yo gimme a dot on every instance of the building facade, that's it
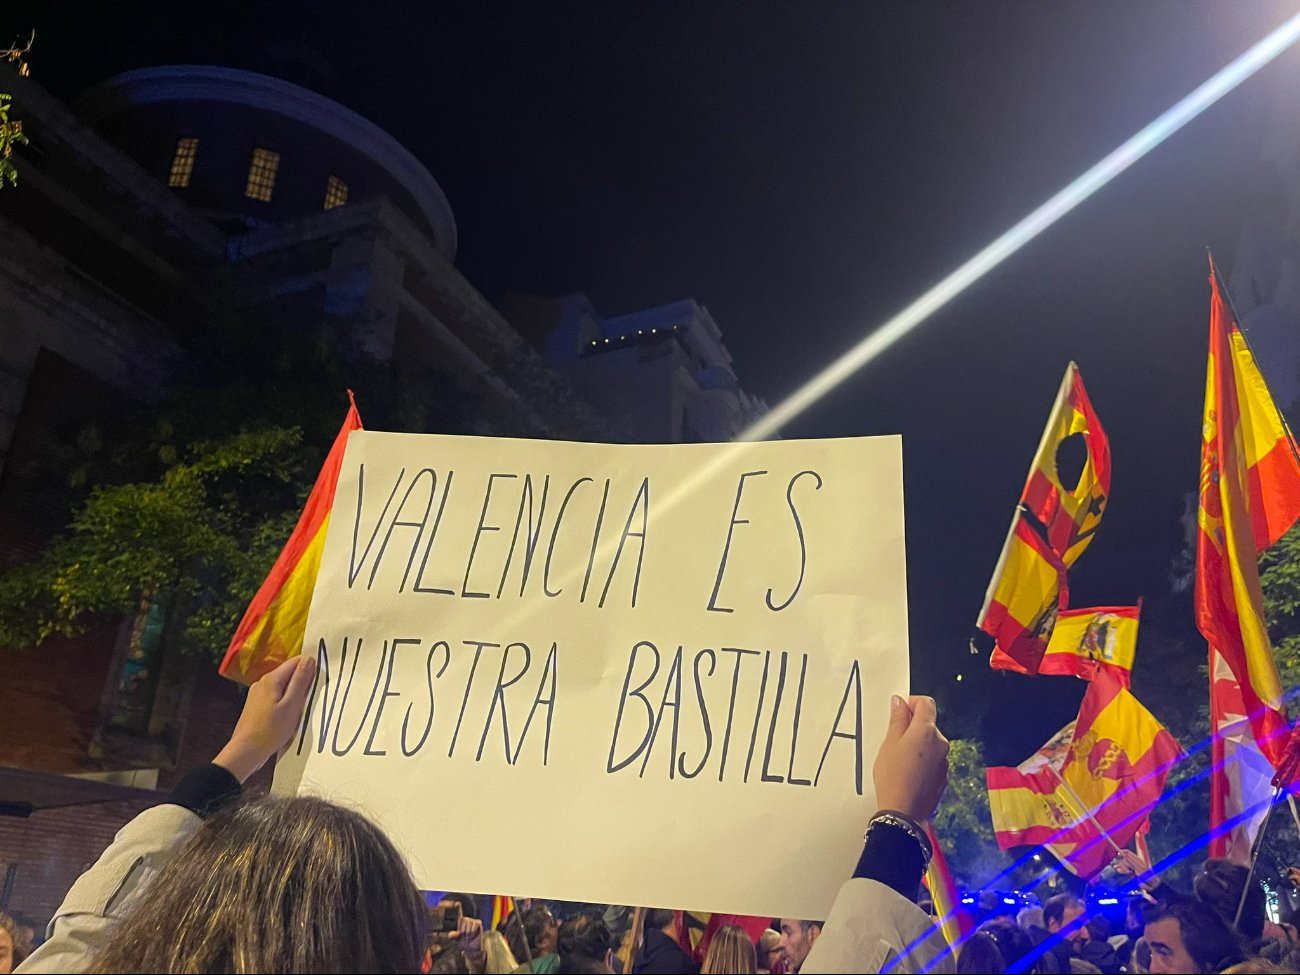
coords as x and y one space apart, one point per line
141 207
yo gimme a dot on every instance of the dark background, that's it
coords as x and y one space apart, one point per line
805 170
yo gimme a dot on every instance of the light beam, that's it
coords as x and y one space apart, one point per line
1065 200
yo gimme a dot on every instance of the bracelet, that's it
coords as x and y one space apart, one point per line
889 817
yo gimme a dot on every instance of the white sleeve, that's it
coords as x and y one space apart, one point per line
106 891
873 928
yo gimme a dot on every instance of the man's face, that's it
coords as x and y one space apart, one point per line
1168 953
1080 934
6 952
796 941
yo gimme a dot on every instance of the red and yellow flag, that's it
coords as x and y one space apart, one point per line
274 623
1053 524
1249 497
1085 640
502 908
1108 779
954 919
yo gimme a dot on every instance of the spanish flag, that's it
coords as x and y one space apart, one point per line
1098 792
1087 639
502 908
1249 497
1053 524
954 919
273 625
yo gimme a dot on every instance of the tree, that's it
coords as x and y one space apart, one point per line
204 532
11 132
962 822
1280 580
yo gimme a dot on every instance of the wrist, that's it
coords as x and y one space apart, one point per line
240 760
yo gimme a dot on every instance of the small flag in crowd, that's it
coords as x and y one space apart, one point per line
502 908
1053 524
273 625
1249 497
954 919
1087 639
1107 779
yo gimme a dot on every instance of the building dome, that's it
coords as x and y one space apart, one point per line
250 148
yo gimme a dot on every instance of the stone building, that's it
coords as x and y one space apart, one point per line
139 208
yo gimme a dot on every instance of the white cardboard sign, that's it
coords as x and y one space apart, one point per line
651 675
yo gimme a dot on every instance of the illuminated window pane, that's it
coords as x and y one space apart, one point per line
336 193
261 175
183 162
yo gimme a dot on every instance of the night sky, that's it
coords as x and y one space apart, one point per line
804 170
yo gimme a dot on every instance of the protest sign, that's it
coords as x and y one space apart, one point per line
652 675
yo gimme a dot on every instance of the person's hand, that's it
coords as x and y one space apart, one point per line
1126 861
271 715
911 767
469 935
1293 875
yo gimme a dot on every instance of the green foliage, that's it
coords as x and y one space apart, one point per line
963 823
11 134
190 532
1280 581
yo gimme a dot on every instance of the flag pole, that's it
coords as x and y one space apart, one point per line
629 951
1255 849
1227 297
1086 810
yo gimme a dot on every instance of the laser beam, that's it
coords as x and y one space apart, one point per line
1065 200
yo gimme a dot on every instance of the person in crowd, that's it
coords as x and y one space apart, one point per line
450 961
1186 936
797 939
1220 884
1258 966
204 884
768 952
27 929
1030 918
730 953
11 944
468 936
874 922
980 954
660 952
585 946
1062 915
498 959
1013 943
536 940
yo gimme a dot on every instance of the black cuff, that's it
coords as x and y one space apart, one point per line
205 789
894 858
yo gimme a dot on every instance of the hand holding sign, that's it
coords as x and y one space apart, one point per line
911 768
271 715
681 647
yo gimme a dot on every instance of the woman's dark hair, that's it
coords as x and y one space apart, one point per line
1012 941
1220 884
275 885
1207 937
981 954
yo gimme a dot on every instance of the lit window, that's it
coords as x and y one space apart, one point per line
183 162
261 175
336 193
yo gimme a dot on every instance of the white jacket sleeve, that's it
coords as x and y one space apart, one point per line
873 928
106 891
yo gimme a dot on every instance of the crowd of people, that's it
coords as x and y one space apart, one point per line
213 881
